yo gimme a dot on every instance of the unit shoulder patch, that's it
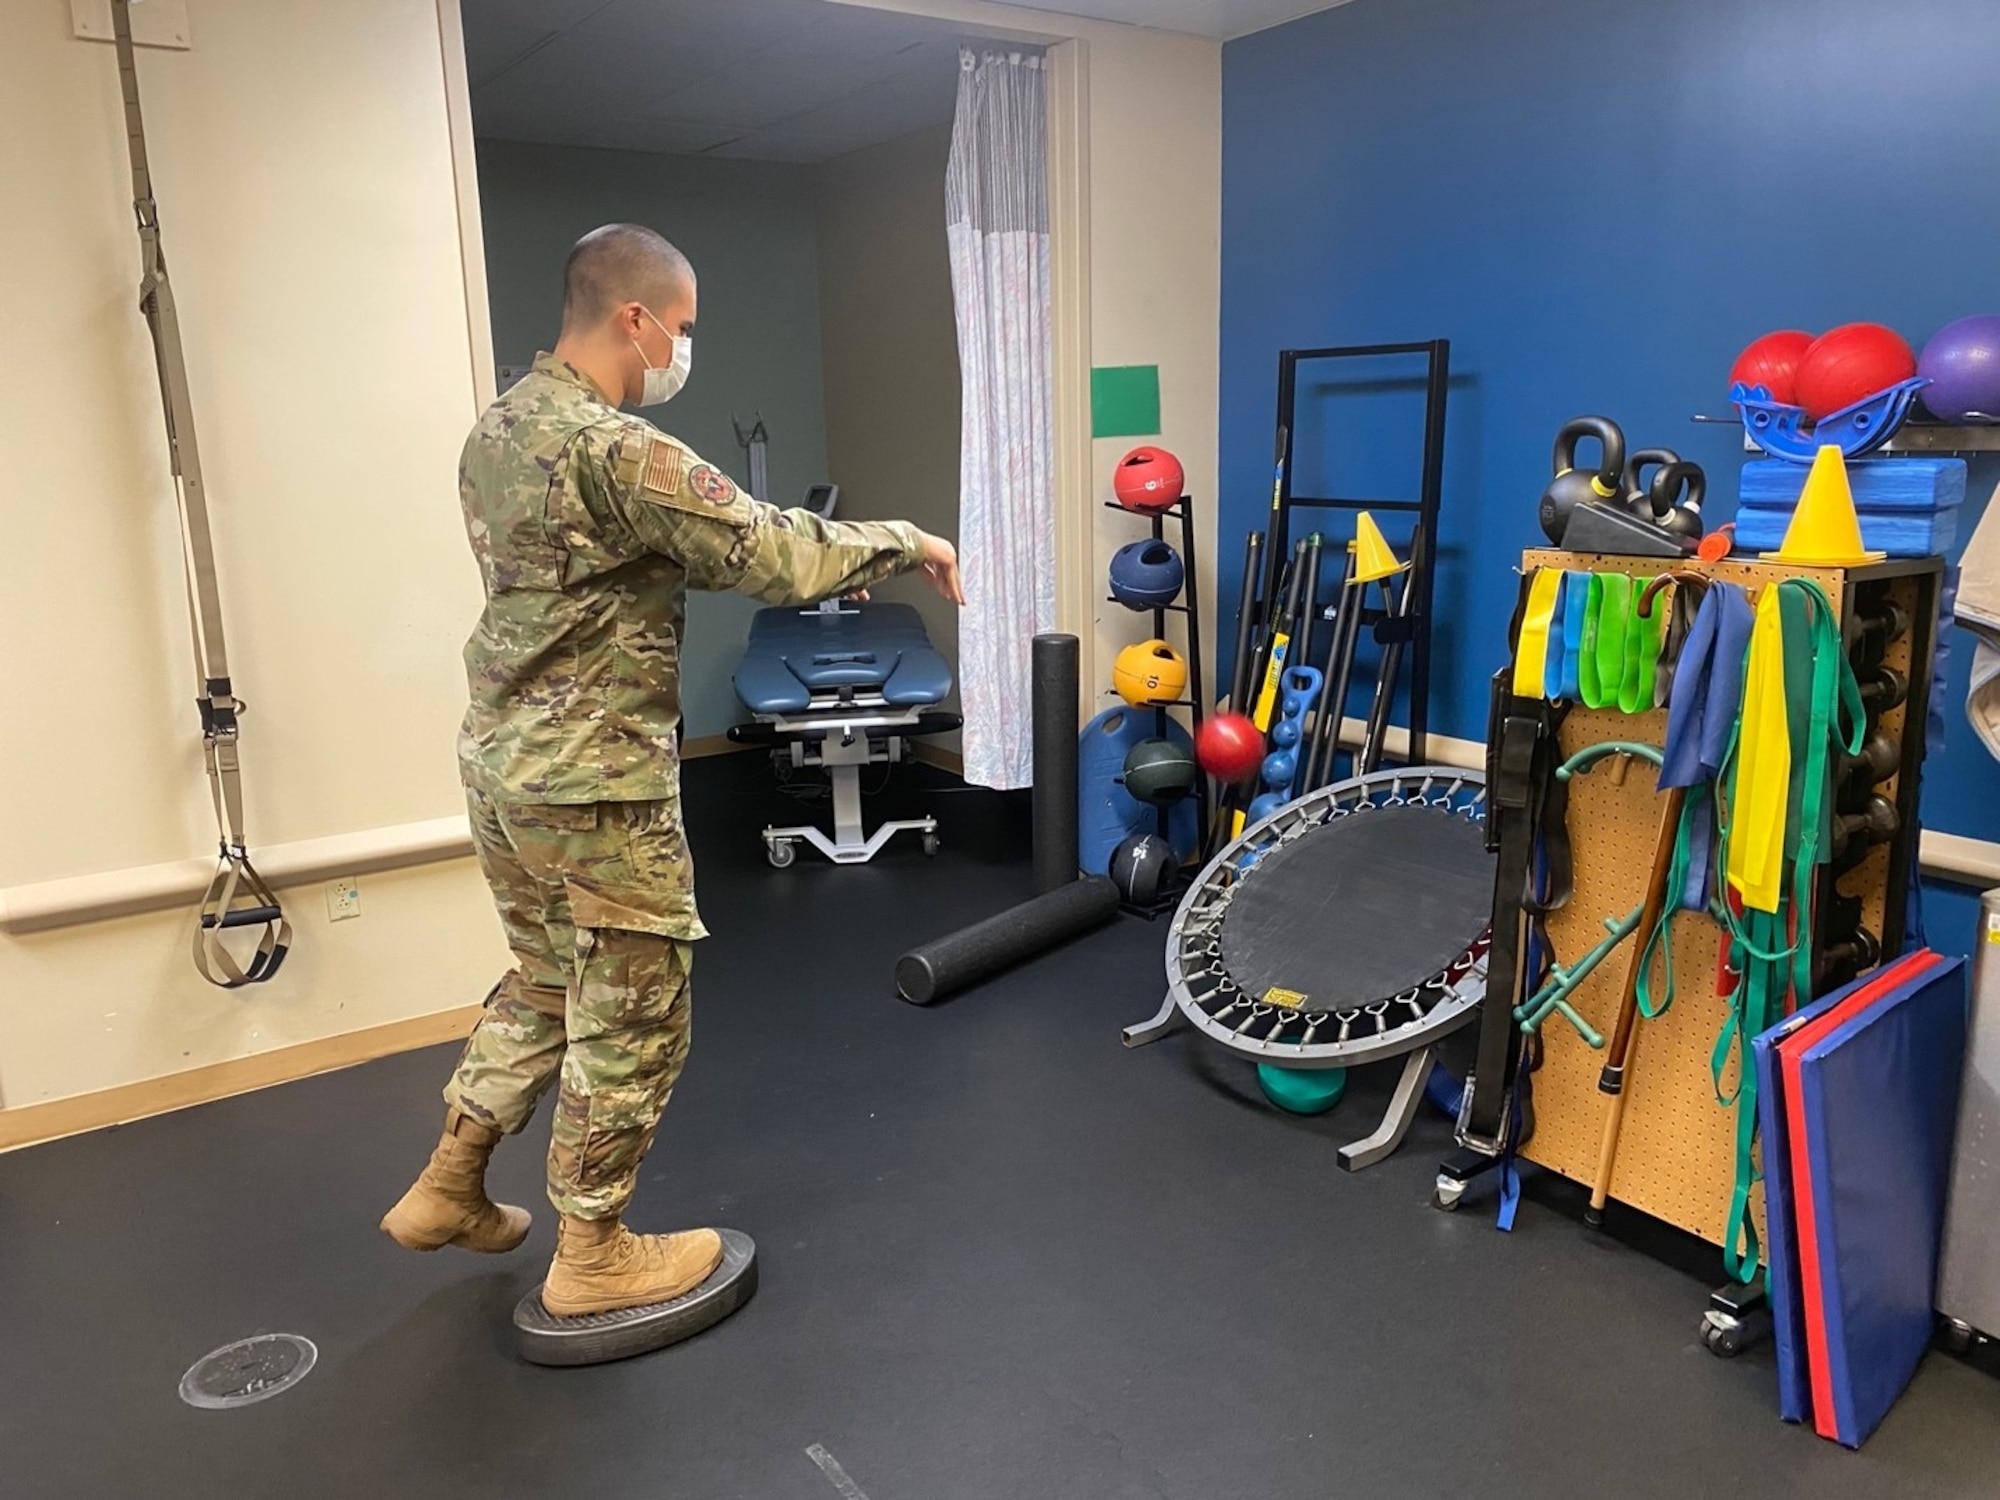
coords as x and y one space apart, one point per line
709 482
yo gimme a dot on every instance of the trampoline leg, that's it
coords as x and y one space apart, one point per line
1396 1119
1168 1019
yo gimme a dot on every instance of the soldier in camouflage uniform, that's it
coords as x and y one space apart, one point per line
590 526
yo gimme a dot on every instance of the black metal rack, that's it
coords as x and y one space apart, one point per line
1191 610
1414 628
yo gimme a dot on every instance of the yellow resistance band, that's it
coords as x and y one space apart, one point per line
1531 652
1763 766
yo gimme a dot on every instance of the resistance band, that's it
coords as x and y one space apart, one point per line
1604 665
237 896
1576 626
1642 652
1531 654
1796 641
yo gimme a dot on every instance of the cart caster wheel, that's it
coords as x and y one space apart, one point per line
1445 1195
930 844
1722 1342
780 854
1958 1336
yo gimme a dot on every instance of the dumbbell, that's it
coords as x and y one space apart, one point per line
1867 634
1874 824
1843 958
1877 762
1881 690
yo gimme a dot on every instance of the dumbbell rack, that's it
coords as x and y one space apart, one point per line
1190 612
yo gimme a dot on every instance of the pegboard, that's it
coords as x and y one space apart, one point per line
1677 1146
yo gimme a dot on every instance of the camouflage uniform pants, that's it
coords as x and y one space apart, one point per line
596 902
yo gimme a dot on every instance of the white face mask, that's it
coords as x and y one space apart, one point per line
664 382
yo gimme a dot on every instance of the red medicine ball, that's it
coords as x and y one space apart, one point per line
1773 362
1851 363
1148 479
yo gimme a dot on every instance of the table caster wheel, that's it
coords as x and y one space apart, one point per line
1445 1195
780 854
930 844
1958 1335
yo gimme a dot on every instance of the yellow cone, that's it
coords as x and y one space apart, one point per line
1825 532
1374 558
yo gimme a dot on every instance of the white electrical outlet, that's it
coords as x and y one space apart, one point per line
343 899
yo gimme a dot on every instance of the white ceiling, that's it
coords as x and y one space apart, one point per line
767 80
1217 18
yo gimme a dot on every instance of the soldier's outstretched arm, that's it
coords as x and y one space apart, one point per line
689 510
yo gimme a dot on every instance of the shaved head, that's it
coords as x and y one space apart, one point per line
620 264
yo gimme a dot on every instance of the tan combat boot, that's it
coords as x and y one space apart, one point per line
448 1205
601 1266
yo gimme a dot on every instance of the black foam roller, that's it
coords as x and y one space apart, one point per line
965 957
1053 674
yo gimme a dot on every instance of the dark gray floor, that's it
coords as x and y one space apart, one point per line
1001 1257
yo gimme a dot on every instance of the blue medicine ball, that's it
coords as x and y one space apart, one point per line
1145 575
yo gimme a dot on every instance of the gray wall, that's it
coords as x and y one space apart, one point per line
748 228
889 350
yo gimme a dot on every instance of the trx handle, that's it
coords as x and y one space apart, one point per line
237 897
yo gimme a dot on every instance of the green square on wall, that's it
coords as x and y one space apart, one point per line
1125 401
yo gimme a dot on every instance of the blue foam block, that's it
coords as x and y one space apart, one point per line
1898 533
1879 484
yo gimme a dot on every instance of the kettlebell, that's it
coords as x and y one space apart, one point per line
1571 488
1666 508
1632 484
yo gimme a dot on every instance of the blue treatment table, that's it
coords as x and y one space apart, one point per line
838 687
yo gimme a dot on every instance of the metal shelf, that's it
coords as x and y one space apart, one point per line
1911 437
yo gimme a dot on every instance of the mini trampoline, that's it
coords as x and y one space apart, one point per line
1348 927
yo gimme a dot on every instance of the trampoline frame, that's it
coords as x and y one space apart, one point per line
1201 994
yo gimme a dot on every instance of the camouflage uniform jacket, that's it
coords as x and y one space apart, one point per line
590 525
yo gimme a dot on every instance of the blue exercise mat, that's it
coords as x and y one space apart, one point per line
1781 1259
1870 1098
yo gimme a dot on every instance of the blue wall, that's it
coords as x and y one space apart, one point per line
1598 205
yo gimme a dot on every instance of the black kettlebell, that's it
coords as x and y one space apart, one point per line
1664 505
1571 488
1632 483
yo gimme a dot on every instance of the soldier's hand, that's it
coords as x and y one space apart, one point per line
941 568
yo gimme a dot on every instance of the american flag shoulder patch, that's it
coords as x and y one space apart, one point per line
663 468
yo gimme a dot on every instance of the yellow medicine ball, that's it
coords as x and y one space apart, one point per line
1150 672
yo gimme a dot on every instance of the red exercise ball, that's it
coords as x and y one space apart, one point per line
1148 479
1773 362
1851 363
1229 747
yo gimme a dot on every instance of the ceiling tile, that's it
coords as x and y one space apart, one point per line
666 137
494 46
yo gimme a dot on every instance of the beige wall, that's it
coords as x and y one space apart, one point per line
303 164
1153 128
889 351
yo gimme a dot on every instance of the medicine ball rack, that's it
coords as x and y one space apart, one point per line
1190 611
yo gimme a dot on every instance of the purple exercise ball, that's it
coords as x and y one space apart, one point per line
1962 363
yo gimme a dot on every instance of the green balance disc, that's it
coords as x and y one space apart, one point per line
1302 1091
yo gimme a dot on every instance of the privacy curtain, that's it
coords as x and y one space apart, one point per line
997 226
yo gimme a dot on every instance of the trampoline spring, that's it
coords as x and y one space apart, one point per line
1408 999
1347 1020
1379 1009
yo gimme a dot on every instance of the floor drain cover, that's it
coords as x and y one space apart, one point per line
249 1370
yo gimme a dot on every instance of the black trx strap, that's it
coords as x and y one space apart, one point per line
237 896
1527 808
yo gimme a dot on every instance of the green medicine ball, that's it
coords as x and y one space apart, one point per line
1159 771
